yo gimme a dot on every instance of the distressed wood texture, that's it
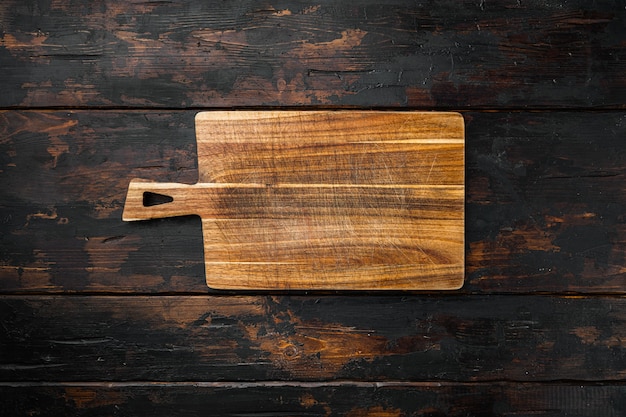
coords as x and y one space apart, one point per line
505 53
545 202
346 399
102 317
323 338
335 200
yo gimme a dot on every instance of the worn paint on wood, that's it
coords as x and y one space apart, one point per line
378 399
508 53
320 338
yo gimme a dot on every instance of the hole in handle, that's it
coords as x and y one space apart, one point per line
154 199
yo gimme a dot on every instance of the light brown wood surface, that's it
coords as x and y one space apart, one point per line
346 200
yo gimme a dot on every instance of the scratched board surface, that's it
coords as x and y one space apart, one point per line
324 199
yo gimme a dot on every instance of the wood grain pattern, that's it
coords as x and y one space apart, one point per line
182 54
350 398
324 200
488 338
331 147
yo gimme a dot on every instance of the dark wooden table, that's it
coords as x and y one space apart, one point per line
101 317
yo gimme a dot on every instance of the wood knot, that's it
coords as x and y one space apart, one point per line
281 85
290 351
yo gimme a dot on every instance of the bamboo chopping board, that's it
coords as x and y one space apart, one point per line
340 200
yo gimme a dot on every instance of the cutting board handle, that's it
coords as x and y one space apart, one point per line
147 200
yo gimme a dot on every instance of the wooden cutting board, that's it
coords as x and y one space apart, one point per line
337 200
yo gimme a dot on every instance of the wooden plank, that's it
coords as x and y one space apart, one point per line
254 338
545 202
544 212
288 199
507 53
352 399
